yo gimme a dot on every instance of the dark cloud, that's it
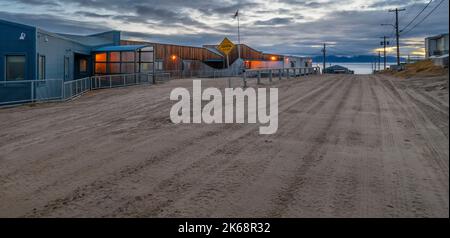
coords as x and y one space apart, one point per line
282 26
275 21
93 14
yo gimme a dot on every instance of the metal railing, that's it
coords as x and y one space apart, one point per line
75 88
29 91
179 74
25 91
277 72
120 80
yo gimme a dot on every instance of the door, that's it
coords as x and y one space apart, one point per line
82 67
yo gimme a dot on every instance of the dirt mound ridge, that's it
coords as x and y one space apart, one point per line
424 68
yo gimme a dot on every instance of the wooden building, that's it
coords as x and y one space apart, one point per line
169 57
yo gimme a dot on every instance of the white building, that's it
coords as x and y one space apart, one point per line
436 45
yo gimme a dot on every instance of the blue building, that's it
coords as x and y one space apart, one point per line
29 53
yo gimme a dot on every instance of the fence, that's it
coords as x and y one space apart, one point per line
279 73
178 74
16 92
26 91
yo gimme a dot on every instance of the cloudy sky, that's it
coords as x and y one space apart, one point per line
350 27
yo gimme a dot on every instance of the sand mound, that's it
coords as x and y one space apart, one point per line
424 68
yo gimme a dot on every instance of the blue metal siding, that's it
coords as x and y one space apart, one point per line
55 50
10 44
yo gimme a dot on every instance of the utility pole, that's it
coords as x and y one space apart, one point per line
379 60
239 37
397 32
324 50
236 15
384 43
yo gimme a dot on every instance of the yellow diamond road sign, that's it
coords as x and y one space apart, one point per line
226 46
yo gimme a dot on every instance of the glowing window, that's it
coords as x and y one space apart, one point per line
114 56
100 68
100 57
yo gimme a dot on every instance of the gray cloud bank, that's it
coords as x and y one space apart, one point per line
283 26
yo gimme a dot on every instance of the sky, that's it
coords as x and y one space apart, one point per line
296 27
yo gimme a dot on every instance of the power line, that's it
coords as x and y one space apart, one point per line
418 14
412 7
393 30
420 22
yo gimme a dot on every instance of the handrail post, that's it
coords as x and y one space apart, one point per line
259 77
110 82
288 74
280 74
32 91
62 90
270 75
244 77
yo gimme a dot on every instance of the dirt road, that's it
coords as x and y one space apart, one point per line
347 146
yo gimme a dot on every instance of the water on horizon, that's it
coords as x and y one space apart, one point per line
359 68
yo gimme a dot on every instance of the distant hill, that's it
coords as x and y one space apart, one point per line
354 59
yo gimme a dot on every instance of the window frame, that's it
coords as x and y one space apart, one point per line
86 66
66 69
123 63
6 65
44 69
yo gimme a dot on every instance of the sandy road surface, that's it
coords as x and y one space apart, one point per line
347 146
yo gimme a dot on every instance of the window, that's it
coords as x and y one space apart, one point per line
15 67
127 56
127 68
83 65
114 56
146 59
114 68
100 57
147 56
159 65
100 68
41 67
146 67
